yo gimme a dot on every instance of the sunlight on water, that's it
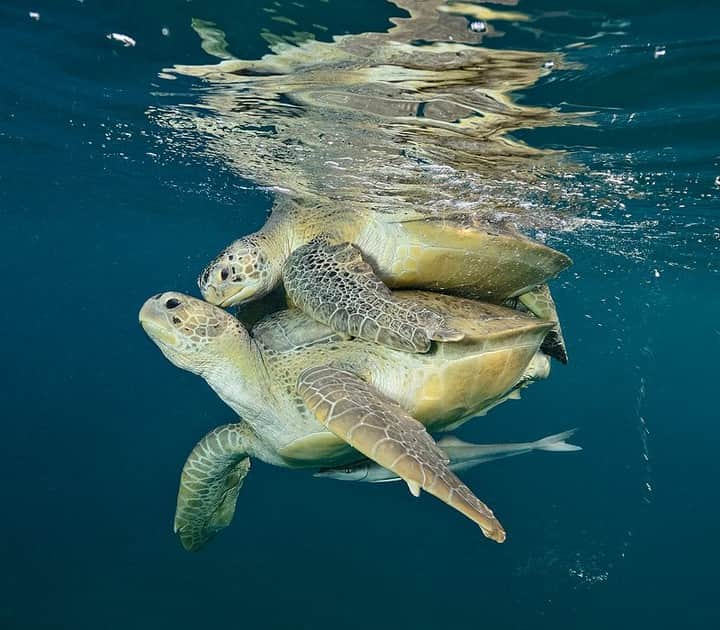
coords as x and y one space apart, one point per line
413 120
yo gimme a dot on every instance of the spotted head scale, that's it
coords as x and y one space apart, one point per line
242 272
191 333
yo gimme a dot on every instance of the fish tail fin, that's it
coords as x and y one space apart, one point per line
557 442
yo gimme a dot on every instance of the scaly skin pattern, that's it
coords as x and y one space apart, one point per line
250 267
334 285
209 485
488 262
449 385
380 429
258 378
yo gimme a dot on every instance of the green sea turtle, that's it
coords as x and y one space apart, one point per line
337 266
310 397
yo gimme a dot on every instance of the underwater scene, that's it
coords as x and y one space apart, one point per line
360 314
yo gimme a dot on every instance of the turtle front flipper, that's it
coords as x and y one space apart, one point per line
384 432
540 303
209 485
334 285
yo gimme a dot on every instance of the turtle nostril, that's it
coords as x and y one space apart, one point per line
224 273
172 303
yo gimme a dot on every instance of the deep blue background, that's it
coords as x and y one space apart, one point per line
96 424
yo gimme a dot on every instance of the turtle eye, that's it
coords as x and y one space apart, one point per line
172 303
224 273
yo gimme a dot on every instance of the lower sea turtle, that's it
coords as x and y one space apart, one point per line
337 266
311 398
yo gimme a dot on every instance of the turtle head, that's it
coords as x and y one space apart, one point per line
192 334
244 271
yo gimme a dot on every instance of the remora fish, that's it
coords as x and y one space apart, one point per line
462 455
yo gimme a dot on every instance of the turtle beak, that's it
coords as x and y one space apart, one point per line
153 319
245 294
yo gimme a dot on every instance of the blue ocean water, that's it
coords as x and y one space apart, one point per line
99 209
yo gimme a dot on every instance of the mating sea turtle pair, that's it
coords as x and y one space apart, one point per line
309 397
337 266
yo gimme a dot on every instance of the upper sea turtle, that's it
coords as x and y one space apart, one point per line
337 266
310 397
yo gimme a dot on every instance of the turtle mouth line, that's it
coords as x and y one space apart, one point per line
243 295
229 301
157 332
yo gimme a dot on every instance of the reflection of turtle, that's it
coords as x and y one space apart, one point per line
310 397
335 266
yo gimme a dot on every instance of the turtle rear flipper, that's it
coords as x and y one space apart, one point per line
334 285
384 432
210 482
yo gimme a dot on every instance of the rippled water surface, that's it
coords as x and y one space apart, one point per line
592 126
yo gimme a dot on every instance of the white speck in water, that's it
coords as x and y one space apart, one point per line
125 40
717 180
659 51
34 15
165 31
479 26
656 273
